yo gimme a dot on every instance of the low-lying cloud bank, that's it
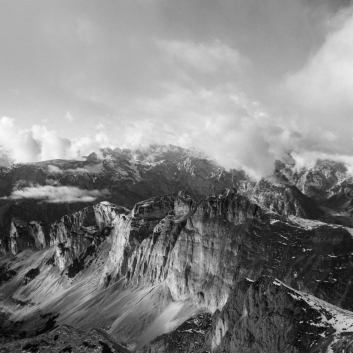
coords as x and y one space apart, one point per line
40 144
57 194
55 169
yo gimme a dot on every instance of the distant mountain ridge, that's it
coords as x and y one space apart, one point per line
129 176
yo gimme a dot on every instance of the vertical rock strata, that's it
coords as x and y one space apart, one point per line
173 239
72 235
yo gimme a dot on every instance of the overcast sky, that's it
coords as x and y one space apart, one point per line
245 81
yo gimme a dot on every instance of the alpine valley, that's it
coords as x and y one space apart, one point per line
163 250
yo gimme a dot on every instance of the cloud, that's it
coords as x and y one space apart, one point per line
69 117
221 122
55 169
316 101
324 85
196 105
207 58
100 126
38 143
166 78
309 159
59 194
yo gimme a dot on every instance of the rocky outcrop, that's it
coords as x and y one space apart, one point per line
25 224
66 339
263 316
187 338
131 233
30 275
267 316
73 235
318 182
283 198
76 233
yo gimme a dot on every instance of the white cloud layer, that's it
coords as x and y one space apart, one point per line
55 169
58 194
188 73
38 143
317 99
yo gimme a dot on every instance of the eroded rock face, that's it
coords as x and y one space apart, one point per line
187 338
173 239
263 316
267 316
73 235
202 250
319 182
281 197
132 232
30 275
66 339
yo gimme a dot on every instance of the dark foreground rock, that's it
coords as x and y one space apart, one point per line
66 339
188 337
268 316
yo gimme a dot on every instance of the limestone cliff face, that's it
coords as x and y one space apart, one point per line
173 239
135 233
72 235
25 224
75 233
202 250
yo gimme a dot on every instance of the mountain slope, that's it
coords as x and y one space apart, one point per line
141 274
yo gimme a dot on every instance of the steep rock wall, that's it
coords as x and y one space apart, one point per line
72 235
202 250
267 316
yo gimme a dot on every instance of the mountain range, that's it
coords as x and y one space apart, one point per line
163 250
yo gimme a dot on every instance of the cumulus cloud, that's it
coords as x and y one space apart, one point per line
221 122
38 143
308 159
58 194
317 100
311 117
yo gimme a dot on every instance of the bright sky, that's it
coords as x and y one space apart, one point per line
242 80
